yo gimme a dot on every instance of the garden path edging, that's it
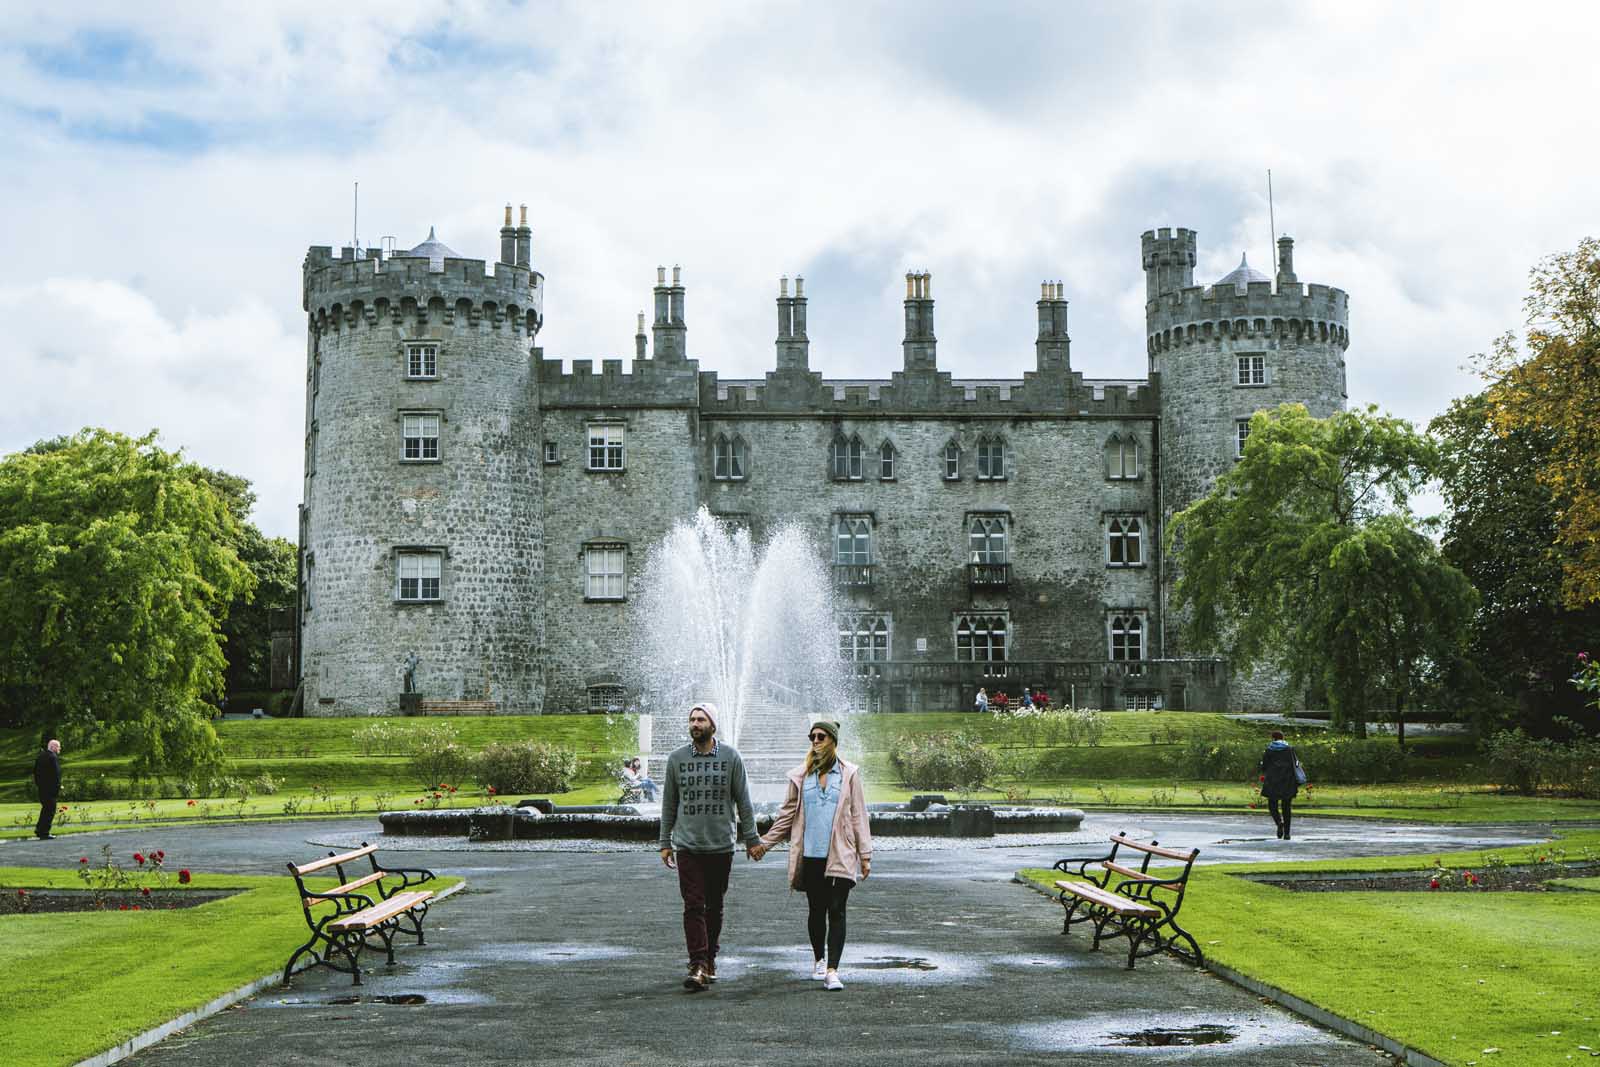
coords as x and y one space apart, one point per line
157 1034
1321 1016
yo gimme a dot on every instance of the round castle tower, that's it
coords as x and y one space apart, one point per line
1226 351
421 531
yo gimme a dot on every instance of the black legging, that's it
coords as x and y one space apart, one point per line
827 897
1288 812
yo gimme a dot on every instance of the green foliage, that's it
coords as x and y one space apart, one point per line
942 761
1340 759
436 756
1500 531
117 566
1305 557
1530 765
526 767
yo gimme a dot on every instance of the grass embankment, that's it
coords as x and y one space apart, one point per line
78 984
1451 973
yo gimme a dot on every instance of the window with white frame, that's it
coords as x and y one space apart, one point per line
1122 456
1241 431
606 699
991 458
845 458
1124 541
1127 636
419 437
952 461
605 572
422 360
1252 370
864 638
417 575
986 538
981 638
552 452
728 455
606 451
886 461
852 540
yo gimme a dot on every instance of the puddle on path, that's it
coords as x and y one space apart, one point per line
895 963
1200 1032
1188 1035
386 998
543 952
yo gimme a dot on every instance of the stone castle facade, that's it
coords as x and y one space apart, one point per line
480 506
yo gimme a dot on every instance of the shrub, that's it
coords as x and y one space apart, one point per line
526 767
1522 764
942 761
1343 760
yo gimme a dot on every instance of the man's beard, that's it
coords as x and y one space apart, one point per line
699 733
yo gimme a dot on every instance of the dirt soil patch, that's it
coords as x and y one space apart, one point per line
1527 879
43 901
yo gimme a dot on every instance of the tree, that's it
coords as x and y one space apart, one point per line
117 566
1305 557
1500 531
1554 391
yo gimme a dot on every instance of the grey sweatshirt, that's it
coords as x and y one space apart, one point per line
699 798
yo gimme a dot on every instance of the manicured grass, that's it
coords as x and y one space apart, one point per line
77 984
1449 973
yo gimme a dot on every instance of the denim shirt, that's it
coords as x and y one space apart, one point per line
820 807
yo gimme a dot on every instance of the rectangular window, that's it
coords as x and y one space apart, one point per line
605 448
886 462
1124 541
552 453
418 575
1122 457
420 434
1127 636
991 458
1252 370
607 699
986 538
606 567
852 539
422 361
981 638
864 638
1241 430
728 458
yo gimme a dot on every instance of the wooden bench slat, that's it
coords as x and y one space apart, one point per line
320 896
1157 850
1105 898
380 912
329 861
1128 872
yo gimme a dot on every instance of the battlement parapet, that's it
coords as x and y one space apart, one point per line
648 383
346 292
935 394
1200 313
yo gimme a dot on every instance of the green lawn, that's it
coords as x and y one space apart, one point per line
1449 973
78 984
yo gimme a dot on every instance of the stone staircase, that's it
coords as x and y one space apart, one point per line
772 740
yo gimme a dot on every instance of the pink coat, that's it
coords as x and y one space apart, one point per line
851 840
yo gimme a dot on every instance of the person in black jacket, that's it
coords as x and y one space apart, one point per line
1278 782
47 777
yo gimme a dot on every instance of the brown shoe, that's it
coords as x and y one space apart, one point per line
696 979
711 971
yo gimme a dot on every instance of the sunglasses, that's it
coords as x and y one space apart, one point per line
819 736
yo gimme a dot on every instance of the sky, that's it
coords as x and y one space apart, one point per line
167 165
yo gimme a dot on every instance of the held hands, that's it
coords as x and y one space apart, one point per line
669 859
755 851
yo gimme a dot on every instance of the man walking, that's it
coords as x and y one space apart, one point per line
704 789
47 778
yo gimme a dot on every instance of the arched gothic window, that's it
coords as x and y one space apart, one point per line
1127 637
991 457
886 461
1122 456
729 458
981 637
845 456
952 461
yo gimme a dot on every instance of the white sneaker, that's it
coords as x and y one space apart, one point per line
820 971
831 982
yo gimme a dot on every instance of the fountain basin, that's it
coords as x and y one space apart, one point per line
624 822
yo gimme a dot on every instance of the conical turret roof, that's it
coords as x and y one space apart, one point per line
1241 276
434 250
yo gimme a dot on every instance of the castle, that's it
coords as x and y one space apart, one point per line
474 504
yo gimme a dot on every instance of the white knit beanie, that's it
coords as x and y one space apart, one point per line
711 712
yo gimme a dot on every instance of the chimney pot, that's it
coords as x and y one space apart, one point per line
783 285
799 286
661 276
524 221
508 214
676 274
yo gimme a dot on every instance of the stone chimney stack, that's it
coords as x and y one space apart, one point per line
508 240
1286 263
639 341
920 346
524 238
794 350
1053 348
669 329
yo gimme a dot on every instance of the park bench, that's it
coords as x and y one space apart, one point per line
1121 900
457 707
367 906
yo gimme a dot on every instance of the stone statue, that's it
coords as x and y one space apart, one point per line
410 682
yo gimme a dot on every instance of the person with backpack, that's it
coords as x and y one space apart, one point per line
1280 781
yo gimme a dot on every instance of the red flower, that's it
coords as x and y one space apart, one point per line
144 891
452 789
191 803
122 907
1261 778
83 859
160 855
1433 883
139 857
136 907
1583 657
63 810
183 876
22 894
491 790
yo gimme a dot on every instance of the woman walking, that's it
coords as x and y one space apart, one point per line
1279 783
824 819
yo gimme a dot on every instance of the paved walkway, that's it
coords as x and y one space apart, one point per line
575 958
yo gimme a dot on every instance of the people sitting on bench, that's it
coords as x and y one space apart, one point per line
635 780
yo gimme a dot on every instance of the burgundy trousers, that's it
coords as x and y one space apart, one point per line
703 882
